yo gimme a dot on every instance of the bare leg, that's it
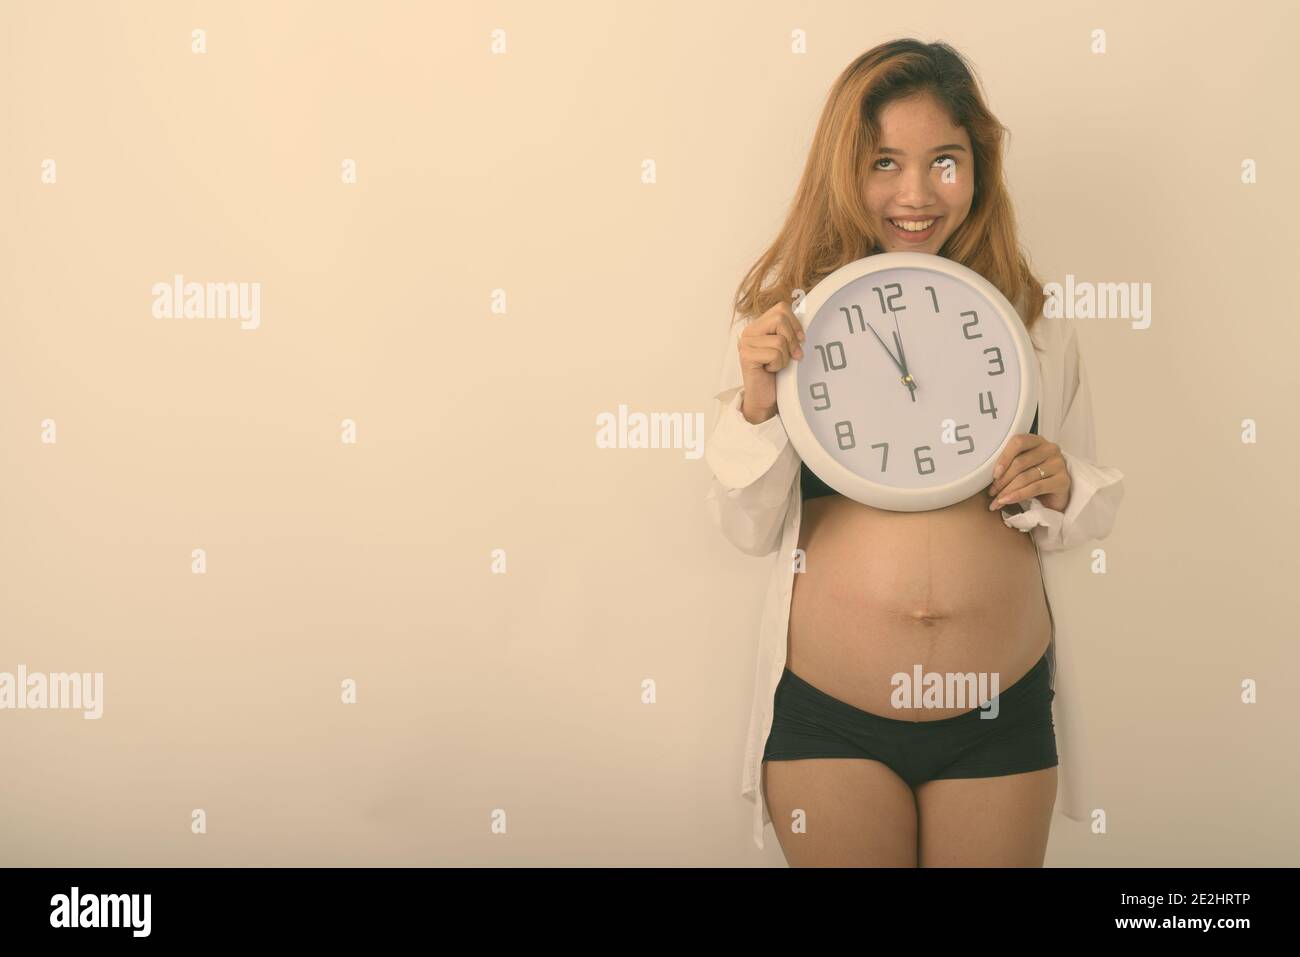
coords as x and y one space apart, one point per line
986 822
858 813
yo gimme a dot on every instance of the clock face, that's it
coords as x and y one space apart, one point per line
913 378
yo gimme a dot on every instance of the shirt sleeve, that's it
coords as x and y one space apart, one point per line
754 466
1095 490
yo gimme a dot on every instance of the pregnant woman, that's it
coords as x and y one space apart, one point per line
906 157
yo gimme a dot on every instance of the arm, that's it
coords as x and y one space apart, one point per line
754 466
1095 490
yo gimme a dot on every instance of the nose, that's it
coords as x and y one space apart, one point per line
915 189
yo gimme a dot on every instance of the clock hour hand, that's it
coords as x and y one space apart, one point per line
907 376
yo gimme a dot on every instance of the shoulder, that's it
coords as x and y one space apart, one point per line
1053 336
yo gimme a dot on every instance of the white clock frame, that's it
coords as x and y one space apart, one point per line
858 487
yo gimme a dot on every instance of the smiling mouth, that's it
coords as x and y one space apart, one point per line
916 225
913 230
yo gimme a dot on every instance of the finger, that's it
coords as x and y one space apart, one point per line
788 326
1029 450
772 321
1011 491
1029 485
1023 468
793 333
777 340
793 321
772 341
798 321
778 322
773 360
1024 493
781 360
771 352
1013 447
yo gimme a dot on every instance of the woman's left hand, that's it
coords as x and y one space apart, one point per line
1030 467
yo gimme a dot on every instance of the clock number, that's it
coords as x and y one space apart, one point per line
887 305
965 326
884 457
933 297
812 390
997 357
862 322
828 353
992 409
964 438
841 435
923 459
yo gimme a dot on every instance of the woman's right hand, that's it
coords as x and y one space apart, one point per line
766 347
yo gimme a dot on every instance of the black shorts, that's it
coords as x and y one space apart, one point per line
809 723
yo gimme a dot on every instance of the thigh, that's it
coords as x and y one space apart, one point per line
998 821
856 813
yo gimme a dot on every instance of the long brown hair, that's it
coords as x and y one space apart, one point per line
828 224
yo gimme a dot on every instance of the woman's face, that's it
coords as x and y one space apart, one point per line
923 172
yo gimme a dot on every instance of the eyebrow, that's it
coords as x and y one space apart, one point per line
946 146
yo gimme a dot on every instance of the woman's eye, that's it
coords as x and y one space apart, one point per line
945 156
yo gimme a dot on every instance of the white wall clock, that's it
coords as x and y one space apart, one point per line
916 372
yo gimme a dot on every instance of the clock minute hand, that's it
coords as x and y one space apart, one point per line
885 347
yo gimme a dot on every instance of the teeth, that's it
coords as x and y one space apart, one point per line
914 227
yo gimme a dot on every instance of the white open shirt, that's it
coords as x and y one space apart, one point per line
755 499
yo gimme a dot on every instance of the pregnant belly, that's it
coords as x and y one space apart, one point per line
882 593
